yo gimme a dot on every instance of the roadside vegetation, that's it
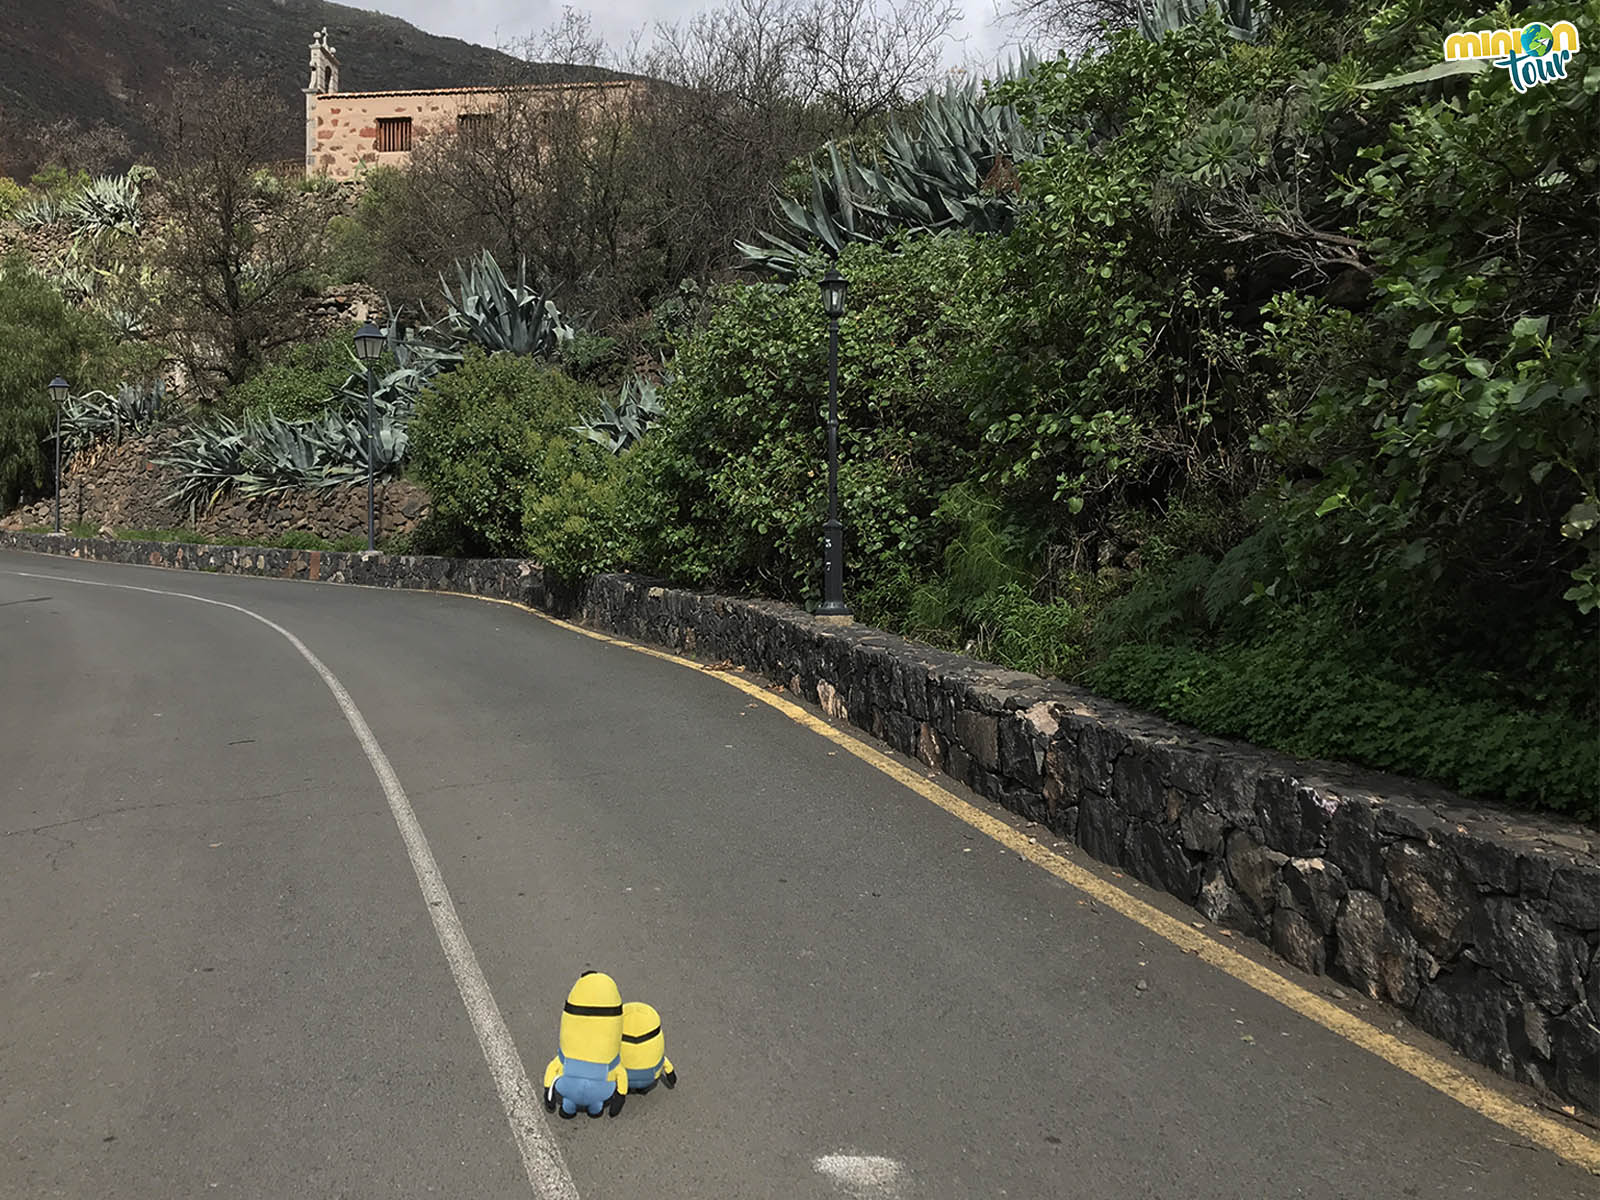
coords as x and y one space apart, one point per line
1238 365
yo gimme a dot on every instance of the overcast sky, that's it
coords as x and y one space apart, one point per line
499 22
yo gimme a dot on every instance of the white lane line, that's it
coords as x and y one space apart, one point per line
547 1172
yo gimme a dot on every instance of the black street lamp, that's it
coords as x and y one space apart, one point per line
833 606
60 389
370 341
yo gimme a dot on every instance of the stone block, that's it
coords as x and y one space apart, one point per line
1378 956
1574 898
979 735
1512 938
1233 792
1486 865
1292 817
1315 888
1253 870
1426 884
1575 1047
1353 844
930 748
1201 829
1473 1011
1299 941
1018 758
1219 903
1155 855
1099 746
1136 783
1102 828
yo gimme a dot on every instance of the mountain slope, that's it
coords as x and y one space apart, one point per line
108 60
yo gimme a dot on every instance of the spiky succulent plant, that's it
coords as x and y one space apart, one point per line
950 171
491 312
638 407
109 204
1157 18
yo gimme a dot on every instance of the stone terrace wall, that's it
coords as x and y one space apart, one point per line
123 487
1481 923
507 579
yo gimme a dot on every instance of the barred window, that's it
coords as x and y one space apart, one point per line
474 126
394 133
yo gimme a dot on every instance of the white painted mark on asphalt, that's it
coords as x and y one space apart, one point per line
862 1175
547 1172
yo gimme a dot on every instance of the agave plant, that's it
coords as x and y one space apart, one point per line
265 455
97 416
936 177
498 316
1157 18
109 204
638 408
39 212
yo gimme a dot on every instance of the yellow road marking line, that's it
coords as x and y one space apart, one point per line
1553 1135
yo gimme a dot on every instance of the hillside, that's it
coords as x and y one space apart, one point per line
108 60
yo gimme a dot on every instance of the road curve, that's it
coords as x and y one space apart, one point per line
222 978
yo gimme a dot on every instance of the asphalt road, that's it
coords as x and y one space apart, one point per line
220 976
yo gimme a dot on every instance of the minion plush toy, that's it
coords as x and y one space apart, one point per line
644 1051
587 1070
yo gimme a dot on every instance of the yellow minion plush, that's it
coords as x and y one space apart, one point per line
587 1070
644 1050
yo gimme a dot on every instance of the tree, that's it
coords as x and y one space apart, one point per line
615 195
240 246
1071 25
40 338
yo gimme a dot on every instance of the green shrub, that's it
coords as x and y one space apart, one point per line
1284 695
57 182
351 255
593 358
732 486
12 194
298 384
479 438
1017 631
40 338
573 517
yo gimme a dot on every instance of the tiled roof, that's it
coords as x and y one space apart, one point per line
458 91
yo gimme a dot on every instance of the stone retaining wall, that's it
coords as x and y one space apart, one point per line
1483 924
123 487
503 578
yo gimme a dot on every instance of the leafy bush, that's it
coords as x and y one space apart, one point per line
573 518
96 416
480 437
1283 695
731 489
592 357
12 195
40 338
299 383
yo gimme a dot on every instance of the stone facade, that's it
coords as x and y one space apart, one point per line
1482 924
343 134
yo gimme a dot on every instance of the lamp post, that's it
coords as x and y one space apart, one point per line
833 607
60 389
369 348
